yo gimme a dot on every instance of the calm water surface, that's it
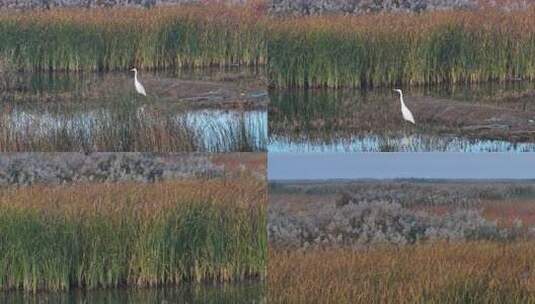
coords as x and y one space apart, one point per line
369 121
229 293
101 112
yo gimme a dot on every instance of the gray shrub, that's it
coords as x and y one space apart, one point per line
56 168
378 222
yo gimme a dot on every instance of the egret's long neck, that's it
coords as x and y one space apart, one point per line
135 75
401 98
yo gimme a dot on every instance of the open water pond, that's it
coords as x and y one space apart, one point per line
483 118
188 112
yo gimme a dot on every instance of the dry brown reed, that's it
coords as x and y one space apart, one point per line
479 272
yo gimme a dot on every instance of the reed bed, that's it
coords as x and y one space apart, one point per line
393 49
109 39
448 47
476 272
125 126
132 234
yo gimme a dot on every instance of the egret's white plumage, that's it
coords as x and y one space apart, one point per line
405 112
139 87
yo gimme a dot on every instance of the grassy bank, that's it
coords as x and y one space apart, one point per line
479 272
131 234
331 51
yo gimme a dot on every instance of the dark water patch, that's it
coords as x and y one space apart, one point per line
249 292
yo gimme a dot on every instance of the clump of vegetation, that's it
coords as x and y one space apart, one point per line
474 272
372 223
132 234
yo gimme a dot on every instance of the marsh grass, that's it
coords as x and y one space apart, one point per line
102 39
393 49
131 234
315 51
473 272
125 125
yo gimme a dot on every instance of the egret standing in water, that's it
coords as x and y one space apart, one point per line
407 115
139 87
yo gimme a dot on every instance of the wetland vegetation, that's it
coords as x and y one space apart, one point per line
473 272
401 241
130 221
455 47
99 112
488 117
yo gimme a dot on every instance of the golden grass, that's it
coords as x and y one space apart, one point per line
148 199
478 272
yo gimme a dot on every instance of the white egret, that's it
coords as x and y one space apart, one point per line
139 87
407 115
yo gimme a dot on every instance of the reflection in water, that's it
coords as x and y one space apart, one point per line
215 125
228 293
100 112
210 129
364 121
412 143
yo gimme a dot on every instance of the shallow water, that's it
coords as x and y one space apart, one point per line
100 112
211 130
385 143
228 293
369 121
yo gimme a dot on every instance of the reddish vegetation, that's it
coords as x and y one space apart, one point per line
507 212
237 162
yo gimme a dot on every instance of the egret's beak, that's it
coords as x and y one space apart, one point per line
132 70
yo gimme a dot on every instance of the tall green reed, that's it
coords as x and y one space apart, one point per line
326 51
395 49
186 36
125 241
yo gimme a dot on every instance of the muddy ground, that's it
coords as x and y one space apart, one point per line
475 120
223 90
509 117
